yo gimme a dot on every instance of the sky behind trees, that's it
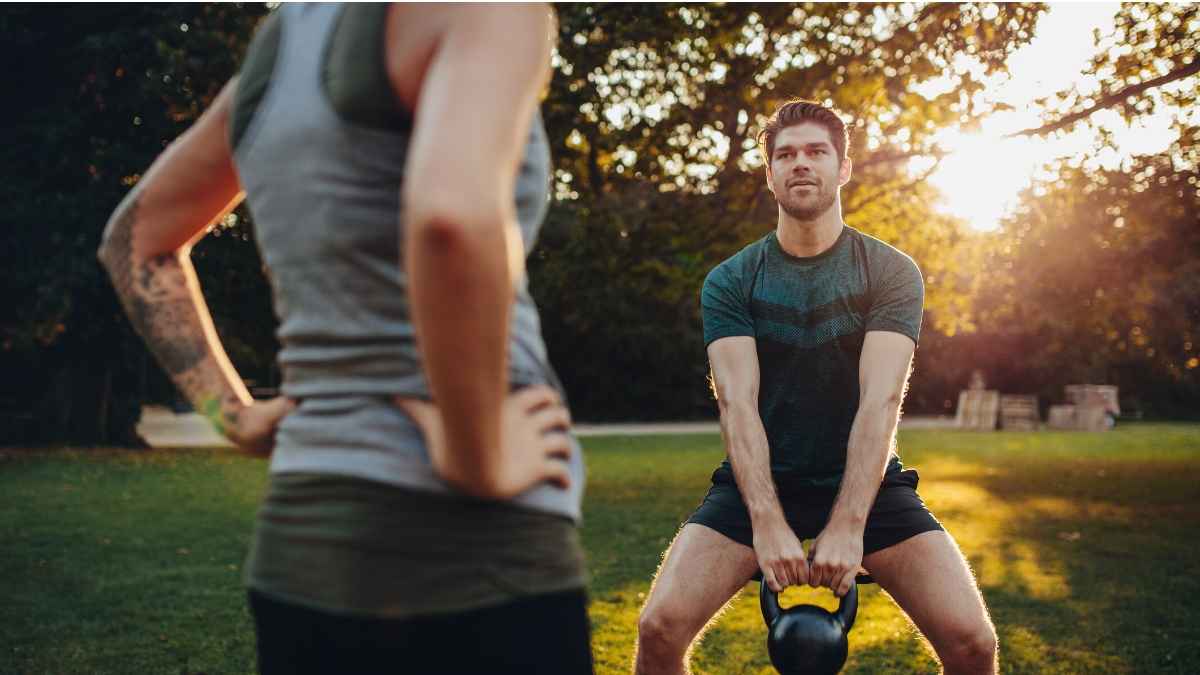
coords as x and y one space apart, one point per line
1058 58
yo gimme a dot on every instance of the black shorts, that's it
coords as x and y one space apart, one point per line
897 514
545 634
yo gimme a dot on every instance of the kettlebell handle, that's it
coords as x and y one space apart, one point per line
768 602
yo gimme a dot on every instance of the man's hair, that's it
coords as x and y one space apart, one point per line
799 111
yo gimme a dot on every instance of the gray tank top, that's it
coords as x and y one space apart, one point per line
325 196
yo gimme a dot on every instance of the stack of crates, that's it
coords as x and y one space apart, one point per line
1092 407
1019 413
977 409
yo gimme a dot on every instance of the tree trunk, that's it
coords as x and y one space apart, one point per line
80 406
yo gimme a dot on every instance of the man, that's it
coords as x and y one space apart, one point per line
810 333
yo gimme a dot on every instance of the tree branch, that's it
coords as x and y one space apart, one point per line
887 158
1111 100
860 203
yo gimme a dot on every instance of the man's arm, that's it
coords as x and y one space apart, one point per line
146 247
463 250
736 378
883 375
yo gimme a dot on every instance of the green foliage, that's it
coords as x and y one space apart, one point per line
103 88
653 111
1103 268
1093 277
1092 280
1146 65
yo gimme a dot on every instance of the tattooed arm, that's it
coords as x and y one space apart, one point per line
146 250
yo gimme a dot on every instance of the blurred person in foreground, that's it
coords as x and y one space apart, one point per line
810 334
424 492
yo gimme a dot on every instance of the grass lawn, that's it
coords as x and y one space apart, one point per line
1087 547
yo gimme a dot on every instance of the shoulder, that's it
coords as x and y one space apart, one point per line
884 258
740 265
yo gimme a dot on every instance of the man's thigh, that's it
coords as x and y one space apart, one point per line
703 569
929 578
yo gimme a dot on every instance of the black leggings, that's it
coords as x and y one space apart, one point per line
540 634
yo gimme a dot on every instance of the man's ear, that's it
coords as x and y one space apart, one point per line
845 171
770 179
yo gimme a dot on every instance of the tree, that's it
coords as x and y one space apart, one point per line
109 87
1123 306
1153 50
652 112
1092 279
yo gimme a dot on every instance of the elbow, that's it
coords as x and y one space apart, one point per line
459 245
103 255
464 247
732 402
442 221
105 252
891 402
443 232
887 404
108 257
733 397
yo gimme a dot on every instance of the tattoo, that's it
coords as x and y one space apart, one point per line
211 409
160 305
164 314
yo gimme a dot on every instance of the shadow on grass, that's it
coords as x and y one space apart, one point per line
1085 547
1091 567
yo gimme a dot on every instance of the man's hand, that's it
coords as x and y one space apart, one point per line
780 556
252 428
534 448
836 556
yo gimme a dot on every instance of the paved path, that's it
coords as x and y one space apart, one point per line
163 428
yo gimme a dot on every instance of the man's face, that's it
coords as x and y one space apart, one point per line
804 173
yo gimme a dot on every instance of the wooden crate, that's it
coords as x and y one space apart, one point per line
1062 417
1103 395
977 409
1095 405
1019 413
1093 418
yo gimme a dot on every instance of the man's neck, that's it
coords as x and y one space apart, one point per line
807 238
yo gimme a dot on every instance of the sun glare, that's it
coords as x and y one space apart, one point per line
983 176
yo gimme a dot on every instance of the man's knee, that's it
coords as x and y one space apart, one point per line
971 650
663 631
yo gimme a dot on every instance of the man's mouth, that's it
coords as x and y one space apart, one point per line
803 182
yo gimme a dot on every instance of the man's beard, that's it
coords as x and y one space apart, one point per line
807 208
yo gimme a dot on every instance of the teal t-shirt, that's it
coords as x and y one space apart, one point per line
808 317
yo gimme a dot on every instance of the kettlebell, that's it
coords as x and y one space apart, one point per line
807 639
